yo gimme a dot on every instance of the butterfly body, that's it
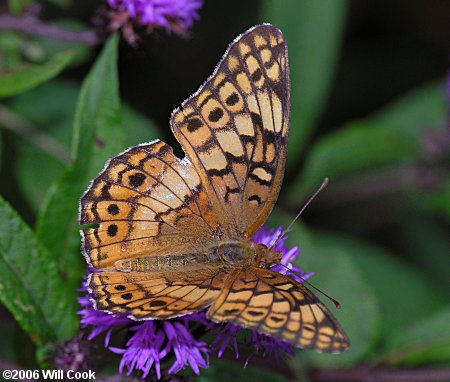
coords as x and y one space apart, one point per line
173 235
224 255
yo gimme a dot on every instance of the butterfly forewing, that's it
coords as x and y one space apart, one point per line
235 129
146 202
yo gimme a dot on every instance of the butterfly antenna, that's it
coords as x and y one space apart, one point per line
311 198
334 301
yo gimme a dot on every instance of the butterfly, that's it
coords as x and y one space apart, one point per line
173 236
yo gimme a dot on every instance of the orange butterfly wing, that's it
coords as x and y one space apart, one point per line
235 130
147 202
275 304
161 296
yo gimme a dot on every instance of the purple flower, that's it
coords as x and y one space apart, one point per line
171 15
152 341
73 354
269 238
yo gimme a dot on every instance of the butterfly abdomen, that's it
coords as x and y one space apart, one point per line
228 253
165 263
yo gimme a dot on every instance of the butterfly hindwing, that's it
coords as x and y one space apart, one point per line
162 296
275 304
235 130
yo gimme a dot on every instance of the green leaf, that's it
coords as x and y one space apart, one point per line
98 133
404 294
98 128
336 273
313 31
389 141
437 200
416 111
427 244
10 49
423 342
357 149
50 108
30 285
415 115
16 7
1 149
27 76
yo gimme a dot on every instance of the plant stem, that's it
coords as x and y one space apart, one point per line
31 25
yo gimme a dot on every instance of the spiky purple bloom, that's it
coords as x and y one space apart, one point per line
73 354
172 15
152 341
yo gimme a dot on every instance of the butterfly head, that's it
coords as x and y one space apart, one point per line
265 257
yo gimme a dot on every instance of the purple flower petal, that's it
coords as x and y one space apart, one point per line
177 15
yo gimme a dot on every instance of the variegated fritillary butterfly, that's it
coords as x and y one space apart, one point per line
173 235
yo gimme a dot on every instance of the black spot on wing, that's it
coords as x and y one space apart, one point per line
256 119
113 209
194 124
230 311
232 99
255 313
136 180
276 319
157 303
216 114
256 75
112 230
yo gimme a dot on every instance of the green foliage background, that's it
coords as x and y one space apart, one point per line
58 131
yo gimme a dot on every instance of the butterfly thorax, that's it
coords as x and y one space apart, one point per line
225 254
